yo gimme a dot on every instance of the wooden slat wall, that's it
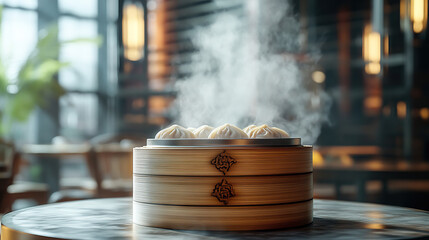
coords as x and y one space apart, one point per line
176 22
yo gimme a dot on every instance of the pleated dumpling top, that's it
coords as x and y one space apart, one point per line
174 131
249 128
203 131
264 131
227 131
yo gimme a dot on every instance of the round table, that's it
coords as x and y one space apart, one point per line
111 219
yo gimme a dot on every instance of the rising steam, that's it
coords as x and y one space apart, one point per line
245 72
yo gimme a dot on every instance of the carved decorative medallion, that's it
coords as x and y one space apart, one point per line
223 162
223 191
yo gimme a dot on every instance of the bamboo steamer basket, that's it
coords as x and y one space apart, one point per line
223 184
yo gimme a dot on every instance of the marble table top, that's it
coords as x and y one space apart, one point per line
112 219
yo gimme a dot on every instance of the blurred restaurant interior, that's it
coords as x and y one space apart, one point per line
82 82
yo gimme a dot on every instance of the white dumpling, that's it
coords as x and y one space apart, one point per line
174 131
264 131
203 131
282 132
191 129
227 131
248 128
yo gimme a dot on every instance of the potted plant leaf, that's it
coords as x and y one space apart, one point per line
36 82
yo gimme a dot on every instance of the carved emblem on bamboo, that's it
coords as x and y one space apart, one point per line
223 162
223 191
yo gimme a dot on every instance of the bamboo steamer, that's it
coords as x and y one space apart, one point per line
232 218
214 184
252 190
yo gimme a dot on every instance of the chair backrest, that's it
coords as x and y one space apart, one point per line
7 169
122 139
114 155
7 155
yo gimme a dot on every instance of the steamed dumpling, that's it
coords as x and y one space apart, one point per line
227 131
264 131
191 129
174 131
203 131
248 128
282 132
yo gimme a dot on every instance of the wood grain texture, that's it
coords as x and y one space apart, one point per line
196 161
255 190
223 218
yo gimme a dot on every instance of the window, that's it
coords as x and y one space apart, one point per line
88 80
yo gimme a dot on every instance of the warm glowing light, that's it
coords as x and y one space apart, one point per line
372 68
419 14
402 8
401 109
317 158
374 46
371 50
386 45
318 76
373 102
133 35
375 165
376 226
346 160
424 113
158 104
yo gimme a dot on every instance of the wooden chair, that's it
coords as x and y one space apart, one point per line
10 191
110 163
114 163
6 161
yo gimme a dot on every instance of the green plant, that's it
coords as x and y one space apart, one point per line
36 83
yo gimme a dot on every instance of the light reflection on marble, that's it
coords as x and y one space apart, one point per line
112 219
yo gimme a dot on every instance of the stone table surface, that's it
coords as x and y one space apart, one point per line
112 219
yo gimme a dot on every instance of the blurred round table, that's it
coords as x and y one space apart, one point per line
112 219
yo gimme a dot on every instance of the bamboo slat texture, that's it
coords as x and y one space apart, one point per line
196 161
253 190
231 218
223 187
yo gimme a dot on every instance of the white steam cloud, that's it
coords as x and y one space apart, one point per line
246 72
